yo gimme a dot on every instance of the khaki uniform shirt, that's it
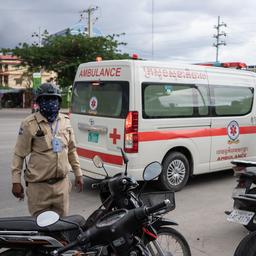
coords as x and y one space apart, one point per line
43 163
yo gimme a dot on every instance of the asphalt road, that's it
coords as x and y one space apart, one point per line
199 209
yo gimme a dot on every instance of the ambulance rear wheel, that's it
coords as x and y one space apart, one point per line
175 172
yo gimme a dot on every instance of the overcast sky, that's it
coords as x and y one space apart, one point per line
182 29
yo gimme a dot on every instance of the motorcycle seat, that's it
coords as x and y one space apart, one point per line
246 198
244 163
28 223
250 173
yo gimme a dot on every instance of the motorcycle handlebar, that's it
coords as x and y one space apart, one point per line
138 215
101 184
95 185
157 207
117 182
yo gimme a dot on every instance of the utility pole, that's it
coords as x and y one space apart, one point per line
217 36
40 37
89 13
152 30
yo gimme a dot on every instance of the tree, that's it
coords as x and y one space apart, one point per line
63 54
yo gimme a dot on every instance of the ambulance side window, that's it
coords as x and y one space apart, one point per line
174 100
231 101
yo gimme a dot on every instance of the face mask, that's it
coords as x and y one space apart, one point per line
49 108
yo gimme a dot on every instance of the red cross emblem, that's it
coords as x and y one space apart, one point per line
114 136
93 103
233 130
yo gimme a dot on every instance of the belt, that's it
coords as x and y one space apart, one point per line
49 181
52 181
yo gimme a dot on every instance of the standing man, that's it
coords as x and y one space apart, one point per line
47 145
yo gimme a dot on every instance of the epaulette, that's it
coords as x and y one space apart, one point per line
30 118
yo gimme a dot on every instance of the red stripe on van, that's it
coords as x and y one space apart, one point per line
247 129
107 158
165 135
170 135
197 133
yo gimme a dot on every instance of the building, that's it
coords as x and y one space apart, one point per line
13 75
78 29
11 72
15 81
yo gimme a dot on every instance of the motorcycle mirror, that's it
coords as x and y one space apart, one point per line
97 161
152 171
47 218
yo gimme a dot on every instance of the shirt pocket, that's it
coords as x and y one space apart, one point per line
64 135
41 143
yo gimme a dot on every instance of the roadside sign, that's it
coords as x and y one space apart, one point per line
36 80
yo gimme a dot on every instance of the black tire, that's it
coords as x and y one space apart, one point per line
25 252
177 244
17 252
175 173
247 246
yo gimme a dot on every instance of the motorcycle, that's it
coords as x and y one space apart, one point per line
26 236
244 195
118 192
116 229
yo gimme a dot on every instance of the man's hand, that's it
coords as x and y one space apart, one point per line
18 191
79 183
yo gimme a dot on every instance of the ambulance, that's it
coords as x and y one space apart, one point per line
193 119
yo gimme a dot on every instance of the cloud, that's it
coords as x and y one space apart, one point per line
162 29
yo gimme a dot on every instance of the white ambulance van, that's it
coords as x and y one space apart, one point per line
193 119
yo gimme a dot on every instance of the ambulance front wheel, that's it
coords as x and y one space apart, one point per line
175 172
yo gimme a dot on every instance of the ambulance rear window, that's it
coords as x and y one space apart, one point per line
99 98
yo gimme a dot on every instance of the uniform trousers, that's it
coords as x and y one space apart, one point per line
42 196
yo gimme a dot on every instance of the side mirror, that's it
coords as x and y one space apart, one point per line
152 171
97 161
47 218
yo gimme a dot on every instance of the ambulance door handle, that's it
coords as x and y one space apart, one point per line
95 128
253 119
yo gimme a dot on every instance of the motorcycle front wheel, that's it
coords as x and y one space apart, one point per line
169 242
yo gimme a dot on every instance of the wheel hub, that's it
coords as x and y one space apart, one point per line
176 172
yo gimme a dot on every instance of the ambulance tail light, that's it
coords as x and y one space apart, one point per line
131 133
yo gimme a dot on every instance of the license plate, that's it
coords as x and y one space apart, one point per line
238 191
240 216
93 137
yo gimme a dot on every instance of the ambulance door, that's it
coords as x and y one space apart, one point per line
231 128
177 115
98 117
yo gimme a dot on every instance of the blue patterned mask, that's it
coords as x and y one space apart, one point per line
49 107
